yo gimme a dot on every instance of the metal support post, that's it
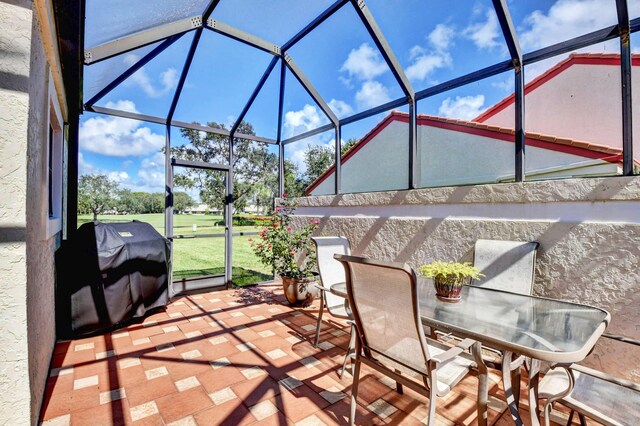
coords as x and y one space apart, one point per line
519 125
283 74
228 271
413 145
625 74
338 158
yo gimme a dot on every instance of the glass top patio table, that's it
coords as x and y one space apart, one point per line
544 329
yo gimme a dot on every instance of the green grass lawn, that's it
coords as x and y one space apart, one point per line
194 257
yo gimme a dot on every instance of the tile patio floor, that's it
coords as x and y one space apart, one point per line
233 357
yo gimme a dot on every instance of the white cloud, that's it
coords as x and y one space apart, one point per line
340 108
167 80
463 108
151 173
119 137
364 63
372 94
441 37
118 176
564 20
484 35
308 118
84 167
425 61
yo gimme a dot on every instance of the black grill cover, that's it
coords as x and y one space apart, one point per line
109 273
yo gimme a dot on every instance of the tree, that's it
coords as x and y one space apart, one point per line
294 183
317 159
96 193
347 145
128 202
252 163
182 201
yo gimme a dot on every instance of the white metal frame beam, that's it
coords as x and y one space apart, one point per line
139 39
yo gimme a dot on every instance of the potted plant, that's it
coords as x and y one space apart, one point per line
289 252
449 277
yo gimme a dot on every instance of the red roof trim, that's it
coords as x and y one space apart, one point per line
573 59
508 136
568 146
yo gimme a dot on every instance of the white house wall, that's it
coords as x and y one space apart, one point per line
27 320
583 102
15 37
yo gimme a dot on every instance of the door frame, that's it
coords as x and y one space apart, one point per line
228 220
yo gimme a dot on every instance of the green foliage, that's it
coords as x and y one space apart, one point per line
253 166
443 269
96 194
182 201
287 251
348 145
294 183
243 221
317 159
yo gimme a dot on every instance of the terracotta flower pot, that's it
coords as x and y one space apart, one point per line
448 287
299 291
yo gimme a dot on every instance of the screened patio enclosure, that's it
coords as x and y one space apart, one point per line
224 63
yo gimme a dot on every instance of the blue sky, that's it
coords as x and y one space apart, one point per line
434 41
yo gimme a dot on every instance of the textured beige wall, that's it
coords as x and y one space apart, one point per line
40 248
15 56
588 261
27 329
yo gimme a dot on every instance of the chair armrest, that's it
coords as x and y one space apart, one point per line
320 287
622 339
606 377
453 352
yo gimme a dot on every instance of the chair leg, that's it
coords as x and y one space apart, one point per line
399 387
350 350
570 417
354 392
315 344
516 377
583 419
433 397
483 384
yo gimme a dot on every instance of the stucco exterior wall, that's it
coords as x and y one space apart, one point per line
15 45
40 246
449 157
583 102
588 230
27 328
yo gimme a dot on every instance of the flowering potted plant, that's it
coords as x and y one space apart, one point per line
449 277
289 252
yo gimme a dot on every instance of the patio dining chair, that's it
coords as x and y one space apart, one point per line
384 300
506 266
607 399
331 272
